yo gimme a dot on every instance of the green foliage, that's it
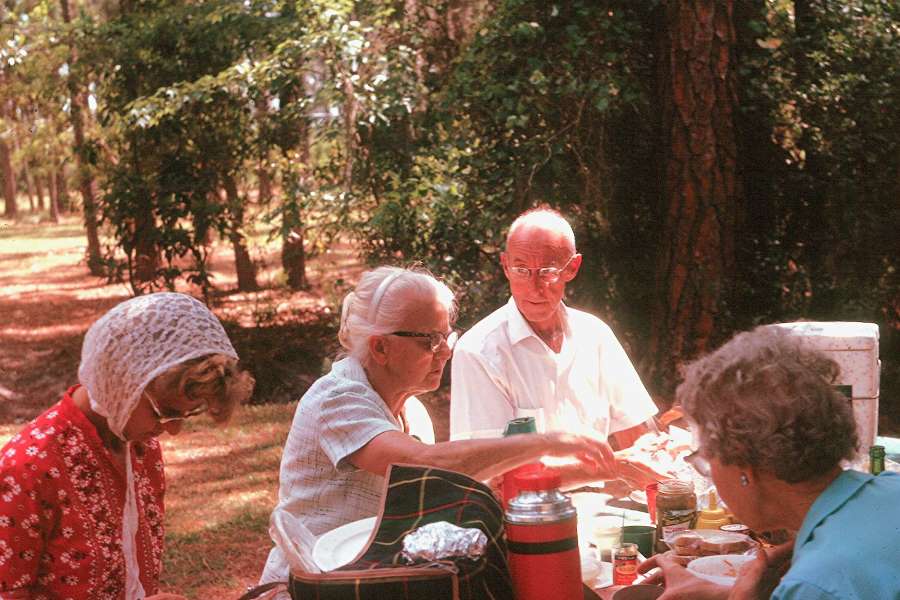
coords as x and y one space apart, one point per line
529 114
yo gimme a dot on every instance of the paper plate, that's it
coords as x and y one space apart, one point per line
339 546
720 568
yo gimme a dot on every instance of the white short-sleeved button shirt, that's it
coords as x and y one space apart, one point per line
338 415
502 370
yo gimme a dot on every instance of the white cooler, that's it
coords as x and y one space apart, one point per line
854 347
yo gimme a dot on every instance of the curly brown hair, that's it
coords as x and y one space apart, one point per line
764 400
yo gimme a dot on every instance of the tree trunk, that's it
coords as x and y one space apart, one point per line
701 190
54 197
7 173
246 270
293 255
264 193
85 179
62 190
38 194
9 181
29 184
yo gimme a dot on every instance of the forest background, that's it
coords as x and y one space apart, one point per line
724 163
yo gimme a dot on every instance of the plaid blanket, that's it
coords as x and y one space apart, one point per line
417 496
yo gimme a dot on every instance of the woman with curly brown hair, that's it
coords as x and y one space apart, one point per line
772 433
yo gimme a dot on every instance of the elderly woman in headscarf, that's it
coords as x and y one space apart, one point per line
81 486
772 433
350 426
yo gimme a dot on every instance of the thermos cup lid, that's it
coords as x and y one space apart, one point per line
539 480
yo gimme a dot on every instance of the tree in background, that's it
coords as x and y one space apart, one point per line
701 191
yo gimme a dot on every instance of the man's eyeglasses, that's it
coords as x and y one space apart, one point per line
700 464
173 415
546 274
435 338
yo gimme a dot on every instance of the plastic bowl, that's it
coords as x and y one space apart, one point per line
720 568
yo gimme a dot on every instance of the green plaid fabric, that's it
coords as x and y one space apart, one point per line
418 496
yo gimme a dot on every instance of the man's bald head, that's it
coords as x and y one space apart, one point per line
542 223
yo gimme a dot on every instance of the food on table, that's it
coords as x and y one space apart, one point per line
709 542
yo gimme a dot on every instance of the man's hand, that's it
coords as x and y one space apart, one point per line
636 474
680 583
759 578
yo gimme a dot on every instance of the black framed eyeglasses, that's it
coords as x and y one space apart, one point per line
173 415
546 274
435 338
700 464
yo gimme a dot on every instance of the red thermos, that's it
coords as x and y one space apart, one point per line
542 534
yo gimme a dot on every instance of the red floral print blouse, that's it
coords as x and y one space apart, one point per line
61 502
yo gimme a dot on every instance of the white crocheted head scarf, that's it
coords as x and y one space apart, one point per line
125 350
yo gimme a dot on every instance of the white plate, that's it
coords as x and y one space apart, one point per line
720 568
339 546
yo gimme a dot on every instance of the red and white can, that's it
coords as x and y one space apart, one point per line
542 534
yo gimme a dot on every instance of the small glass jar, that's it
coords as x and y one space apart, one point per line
625 563
676 509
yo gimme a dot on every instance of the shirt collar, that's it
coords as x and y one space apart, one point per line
519 329
845 486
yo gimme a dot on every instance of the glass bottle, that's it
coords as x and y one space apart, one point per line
876 459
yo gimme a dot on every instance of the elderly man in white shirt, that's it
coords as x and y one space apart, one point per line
535 356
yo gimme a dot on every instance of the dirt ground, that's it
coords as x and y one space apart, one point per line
48 300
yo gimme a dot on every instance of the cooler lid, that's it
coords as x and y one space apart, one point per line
836 335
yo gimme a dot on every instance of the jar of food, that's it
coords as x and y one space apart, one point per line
676 509
625 563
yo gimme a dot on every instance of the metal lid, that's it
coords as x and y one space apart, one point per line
539 506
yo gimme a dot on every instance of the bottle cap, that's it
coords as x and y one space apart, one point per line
539 480
520 425
876 451
714 516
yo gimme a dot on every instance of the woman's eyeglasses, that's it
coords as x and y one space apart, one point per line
546 274
173 415
700 464
435 338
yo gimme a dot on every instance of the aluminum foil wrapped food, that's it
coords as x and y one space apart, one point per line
443 540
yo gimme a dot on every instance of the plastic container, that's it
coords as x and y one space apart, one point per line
713 516
542 535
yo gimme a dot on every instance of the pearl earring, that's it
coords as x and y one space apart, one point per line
744 481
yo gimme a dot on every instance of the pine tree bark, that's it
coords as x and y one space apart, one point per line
85 180
54 197
29 185
9 180
246 270
62 190
38 195
293 254
7 172
701 188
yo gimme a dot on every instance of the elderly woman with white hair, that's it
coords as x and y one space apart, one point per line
772 433
349 426
81 486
